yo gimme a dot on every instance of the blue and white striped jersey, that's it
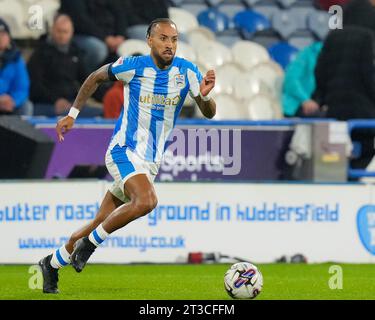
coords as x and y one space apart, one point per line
153 99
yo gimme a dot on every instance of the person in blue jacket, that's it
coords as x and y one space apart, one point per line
299 84
14 79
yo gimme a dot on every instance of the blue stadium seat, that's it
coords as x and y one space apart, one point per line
317 22
282 53
249 21
214 20
284 23
228 37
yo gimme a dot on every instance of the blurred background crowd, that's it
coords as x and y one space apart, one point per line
273 58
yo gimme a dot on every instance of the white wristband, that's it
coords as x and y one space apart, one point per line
205 98
73 112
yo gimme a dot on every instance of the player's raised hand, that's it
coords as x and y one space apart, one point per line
208 82
63 126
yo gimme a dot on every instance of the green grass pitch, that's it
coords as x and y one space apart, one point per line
190 282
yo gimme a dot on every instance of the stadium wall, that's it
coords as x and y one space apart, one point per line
258 222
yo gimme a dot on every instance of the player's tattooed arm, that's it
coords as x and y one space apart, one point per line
90 85
65 124
208 108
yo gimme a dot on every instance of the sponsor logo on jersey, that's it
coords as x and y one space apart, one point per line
159 100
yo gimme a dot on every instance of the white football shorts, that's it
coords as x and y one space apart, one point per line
122 164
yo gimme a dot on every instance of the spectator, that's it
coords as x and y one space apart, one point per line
14 79
299 84
100 27
57 71
141 13
345 74
345 81
360 13
113 101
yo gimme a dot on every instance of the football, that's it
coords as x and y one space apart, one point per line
243 280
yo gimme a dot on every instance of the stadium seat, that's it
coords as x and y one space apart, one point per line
16 22
263 107
268 10
228 108
214 20
266 38
202 68
137 31
184 50
231 8
225 78
247 54
251 3
185 20
299 14
286 3
282 53
176 3
213 54
133 46
317 22
228 37
50 8
270 74
213 3
301 39
198 35
284 24
249 21
246 85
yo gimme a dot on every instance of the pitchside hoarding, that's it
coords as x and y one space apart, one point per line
257 222
195 153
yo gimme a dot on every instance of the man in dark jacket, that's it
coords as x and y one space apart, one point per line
14 79
345 74
100 27
57 71
345 77
360 13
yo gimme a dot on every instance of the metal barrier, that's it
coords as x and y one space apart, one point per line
352 124
360 124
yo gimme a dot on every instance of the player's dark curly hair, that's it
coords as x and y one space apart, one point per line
153 23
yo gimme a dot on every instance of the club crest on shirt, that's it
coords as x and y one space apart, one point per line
179 81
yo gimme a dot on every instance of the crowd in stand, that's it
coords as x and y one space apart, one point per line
75 45
334 78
